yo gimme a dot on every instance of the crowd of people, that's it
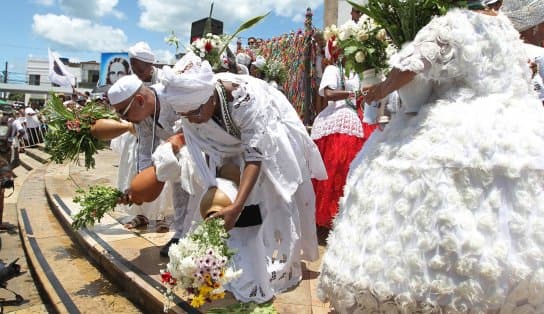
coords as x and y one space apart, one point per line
440 210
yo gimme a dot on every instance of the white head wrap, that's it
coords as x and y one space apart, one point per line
142 52
242 69
189 84
524 14
489 2
243 58
259 63
124 88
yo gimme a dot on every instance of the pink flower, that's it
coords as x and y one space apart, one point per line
73 125
208 46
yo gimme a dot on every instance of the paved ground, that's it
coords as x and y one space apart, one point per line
301 299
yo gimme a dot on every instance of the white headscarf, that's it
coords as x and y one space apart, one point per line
524 14
243 58
189 84
142 52
259 63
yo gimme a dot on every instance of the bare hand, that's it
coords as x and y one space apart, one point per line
177 141
230 214
126 198
371 93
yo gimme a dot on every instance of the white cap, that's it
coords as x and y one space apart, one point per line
259 63
124 88
142 52
243 58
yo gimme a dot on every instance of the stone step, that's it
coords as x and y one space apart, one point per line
29 163
37 154
131 259
70 282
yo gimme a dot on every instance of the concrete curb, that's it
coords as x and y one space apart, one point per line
141 288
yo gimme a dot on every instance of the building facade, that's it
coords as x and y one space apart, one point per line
37 72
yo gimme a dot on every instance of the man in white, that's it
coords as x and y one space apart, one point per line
154 123
33 126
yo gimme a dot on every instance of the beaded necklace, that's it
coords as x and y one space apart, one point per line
231 128
348 101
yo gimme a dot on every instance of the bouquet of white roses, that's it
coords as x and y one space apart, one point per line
402 19
361 45
200 264
208 48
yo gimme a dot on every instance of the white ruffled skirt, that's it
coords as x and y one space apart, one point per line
444 210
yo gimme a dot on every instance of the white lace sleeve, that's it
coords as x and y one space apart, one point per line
439 48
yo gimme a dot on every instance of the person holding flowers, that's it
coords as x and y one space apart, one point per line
338 130
242 120
447 200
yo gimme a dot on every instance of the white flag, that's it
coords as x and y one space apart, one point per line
59 73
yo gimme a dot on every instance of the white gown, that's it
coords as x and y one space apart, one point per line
269 254
445 209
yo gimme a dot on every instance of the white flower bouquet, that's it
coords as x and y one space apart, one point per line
200 264
362 45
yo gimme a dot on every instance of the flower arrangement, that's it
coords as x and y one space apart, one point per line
275 71
402 19
70 130
362 45
211 47
208 48
199 264
95 204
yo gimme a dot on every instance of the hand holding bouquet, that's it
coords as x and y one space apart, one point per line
70 130
200 264
95 203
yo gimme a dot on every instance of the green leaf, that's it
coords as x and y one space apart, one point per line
350 50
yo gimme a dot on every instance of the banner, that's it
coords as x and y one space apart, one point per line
113 65
58 72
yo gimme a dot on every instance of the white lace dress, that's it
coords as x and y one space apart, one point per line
444 211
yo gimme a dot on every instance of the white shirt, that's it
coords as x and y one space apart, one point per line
31 118
538 85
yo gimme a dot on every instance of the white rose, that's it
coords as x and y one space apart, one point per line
490 270
470 290
342 35
465 266
362 35
360 57
438 262
381 35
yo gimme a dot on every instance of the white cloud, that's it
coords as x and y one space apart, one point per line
46 3
90 8
165 56
165 15
78 34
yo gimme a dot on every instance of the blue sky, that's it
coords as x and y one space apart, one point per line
82 29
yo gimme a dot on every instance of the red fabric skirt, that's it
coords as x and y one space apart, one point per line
337 151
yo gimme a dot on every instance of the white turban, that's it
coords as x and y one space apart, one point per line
259 63
243 58
142 52
124 88
189 84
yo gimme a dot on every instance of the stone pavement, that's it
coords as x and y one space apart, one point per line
133 256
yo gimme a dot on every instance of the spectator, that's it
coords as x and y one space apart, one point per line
34 134
6 181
